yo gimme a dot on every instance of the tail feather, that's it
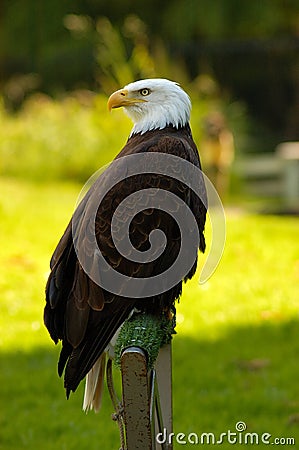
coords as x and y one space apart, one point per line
94 385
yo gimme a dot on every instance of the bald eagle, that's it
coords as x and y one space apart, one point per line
79 311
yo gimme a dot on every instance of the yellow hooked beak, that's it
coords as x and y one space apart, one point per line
121 98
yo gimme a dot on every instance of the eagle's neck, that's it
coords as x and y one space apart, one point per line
142 128
158 116
169 130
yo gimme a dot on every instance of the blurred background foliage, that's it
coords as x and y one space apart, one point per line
237 58
251 48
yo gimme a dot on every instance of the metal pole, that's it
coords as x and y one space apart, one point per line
136 399
147 399
163 368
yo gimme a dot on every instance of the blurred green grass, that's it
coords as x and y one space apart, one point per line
234 357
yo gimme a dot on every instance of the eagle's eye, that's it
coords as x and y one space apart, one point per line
144 92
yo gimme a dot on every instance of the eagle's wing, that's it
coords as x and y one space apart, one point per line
78 311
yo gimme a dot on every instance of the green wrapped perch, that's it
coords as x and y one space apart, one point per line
147 332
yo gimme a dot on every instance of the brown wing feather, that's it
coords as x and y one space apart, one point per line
80 313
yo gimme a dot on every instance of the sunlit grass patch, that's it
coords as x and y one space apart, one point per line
234 357
32 218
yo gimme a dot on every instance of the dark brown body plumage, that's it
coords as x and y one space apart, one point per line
78 311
